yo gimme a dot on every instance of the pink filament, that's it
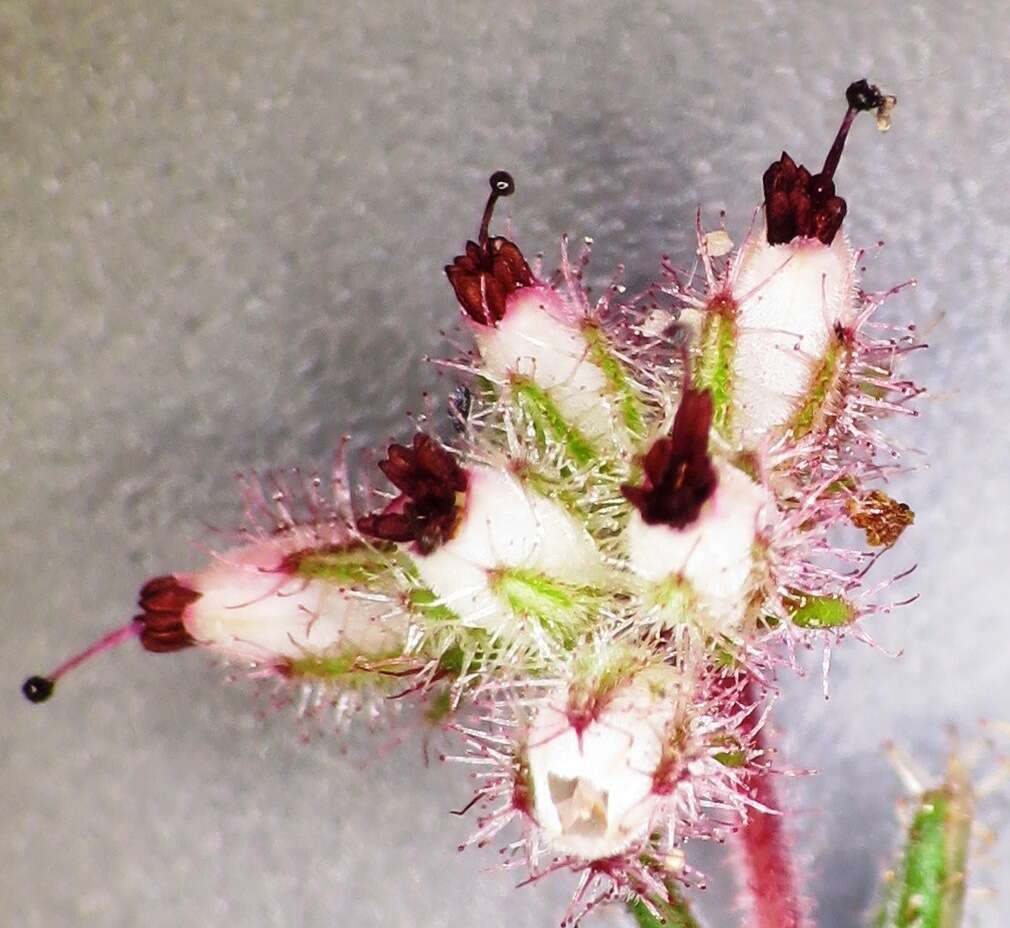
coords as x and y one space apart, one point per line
111 640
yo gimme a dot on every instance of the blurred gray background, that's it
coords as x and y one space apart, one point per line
224 224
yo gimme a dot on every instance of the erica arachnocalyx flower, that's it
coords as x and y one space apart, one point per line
696 523
595 583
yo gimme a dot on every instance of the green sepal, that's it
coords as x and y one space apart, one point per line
441 705
466 653
824 382
426 604
353 565
549 423
674 599
734 755
619 383
345 669
563 610
713 369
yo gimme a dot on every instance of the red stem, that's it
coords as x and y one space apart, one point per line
764 855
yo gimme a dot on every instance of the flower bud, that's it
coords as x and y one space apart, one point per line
555 362
778 331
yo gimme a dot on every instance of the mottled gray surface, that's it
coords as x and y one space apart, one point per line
223 230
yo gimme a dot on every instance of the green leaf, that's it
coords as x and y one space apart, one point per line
926 889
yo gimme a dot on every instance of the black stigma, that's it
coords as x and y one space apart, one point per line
502 184
863 96
37 689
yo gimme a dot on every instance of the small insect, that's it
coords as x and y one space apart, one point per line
460 401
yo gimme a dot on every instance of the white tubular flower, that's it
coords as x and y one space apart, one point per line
775 341
552 360
506 534
264 603
713 556
795 296
592 770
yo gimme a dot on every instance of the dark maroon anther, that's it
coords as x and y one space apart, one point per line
492 267
429 505
163 601
800 204
679 475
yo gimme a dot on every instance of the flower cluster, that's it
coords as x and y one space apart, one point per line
593 583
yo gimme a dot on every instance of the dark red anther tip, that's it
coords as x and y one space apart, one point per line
679 474
166 594
163 600
428 509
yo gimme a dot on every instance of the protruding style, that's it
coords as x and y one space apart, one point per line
798 203
159 627
492 268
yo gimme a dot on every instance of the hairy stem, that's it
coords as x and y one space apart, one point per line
764 856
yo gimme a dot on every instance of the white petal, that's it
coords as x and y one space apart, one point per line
540 338
505 525
797 292
249 608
